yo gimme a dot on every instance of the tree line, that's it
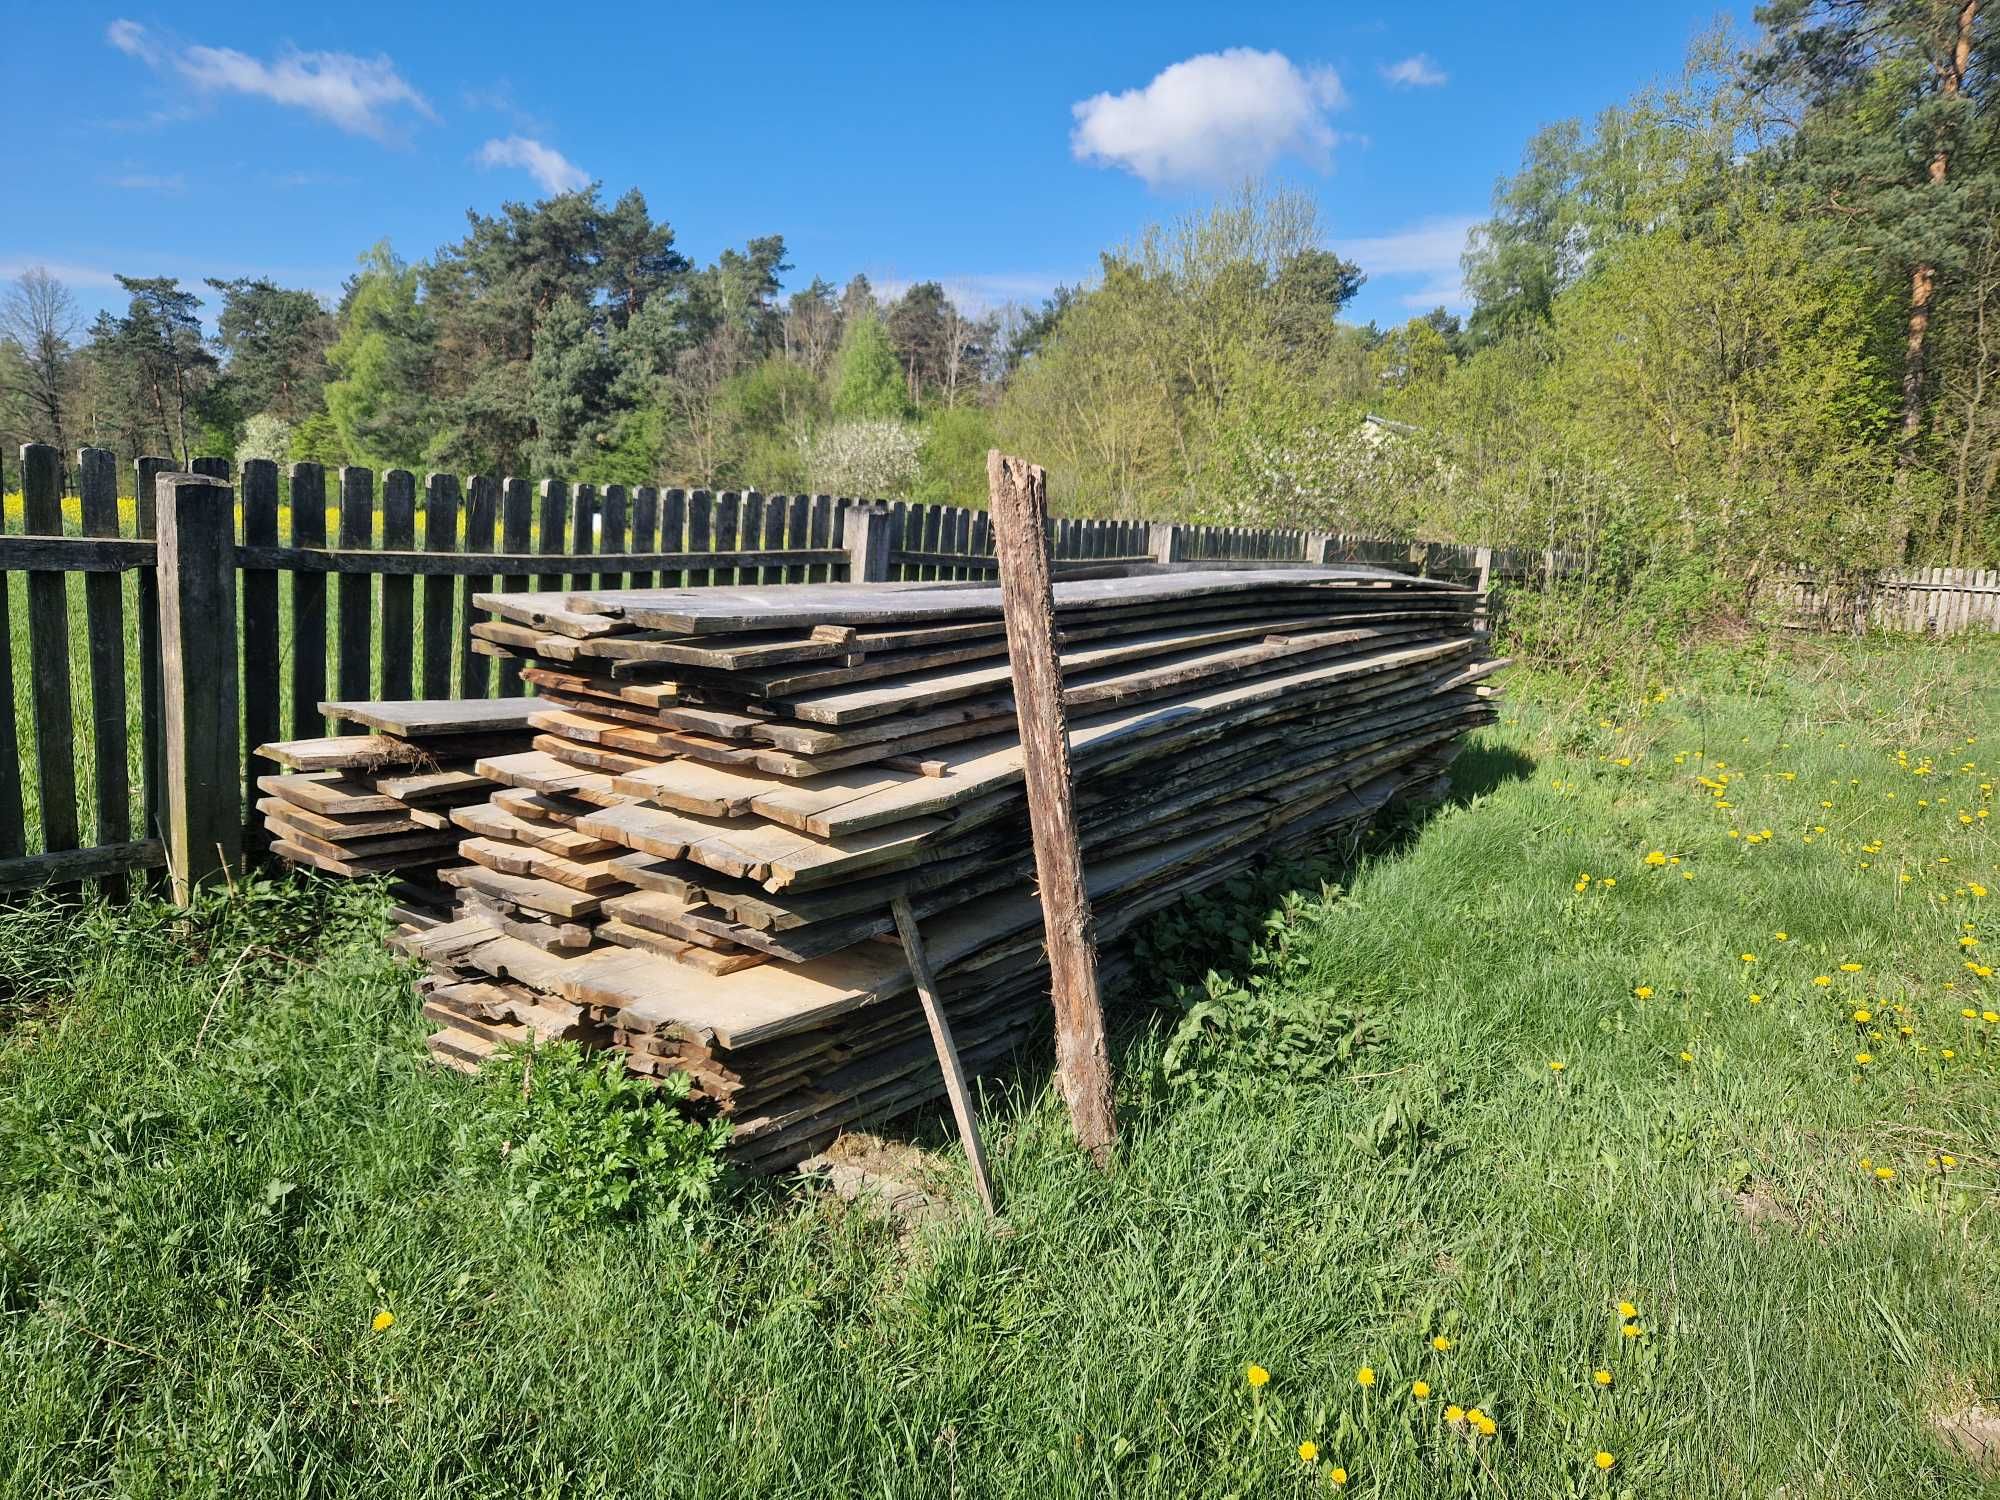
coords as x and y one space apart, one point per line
1750 314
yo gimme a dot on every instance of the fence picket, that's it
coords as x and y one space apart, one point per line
798 525
728 516
549 539
258 588
440 535
48 653
517 526
582 531
822 536
399 534
353 602
701 524
308 603
482 506
645 531
104 620
611 513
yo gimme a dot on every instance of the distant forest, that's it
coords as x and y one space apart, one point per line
1751 314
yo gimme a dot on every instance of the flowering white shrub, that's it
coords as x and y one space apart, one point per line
869 458
265 436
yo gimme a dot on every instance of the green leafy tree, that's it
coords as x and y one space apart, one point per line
1895 141
867 380
380 397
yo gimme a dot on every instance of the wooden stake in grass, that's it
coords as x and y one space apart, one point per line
947 1049
1018 501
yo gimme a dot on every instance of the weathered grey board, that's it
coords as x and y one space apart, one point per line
426 718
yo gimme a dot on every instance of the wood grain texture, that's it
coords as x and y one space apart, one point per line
947 1050
517 511
1018 502
104 615
197 608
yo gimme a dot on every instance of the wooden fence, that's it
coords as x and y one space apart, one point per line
1923 601
198 587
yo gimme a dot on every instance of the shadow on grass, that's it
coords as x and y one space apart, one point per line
1141 1015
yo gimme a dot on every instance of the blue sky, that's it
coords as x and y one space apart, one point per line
996 151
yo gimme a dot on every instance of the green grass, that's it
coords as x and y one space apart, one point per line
220 1157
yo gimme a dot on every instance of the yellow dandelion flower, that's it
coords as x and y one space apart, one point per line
1885 1174
1657 857
1947 1054
1748 958
1440 1343
1487 1426
1420 1389
1989 1016
1364 1376
1756 999
1822 980
1783 937
1627 1310
1643 992
1632 1331
1850 968
1474 1415
1454 1414
1258 1376
1603 1460
1336 1476
1602 1377
1862 1017
1948 1162
1556 1065
383 1321
1687 1057
1309 1451
1864 1058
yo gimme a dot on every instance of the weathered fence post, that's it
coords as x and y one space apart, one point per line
197 571
868 544
1018 501
1164 540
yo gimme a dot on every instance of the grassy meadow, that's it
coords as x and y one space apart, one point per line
1627 1125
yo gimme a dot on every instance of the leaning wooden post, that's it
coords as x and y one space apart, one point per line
1166 541
947 1049
867 536
197 578
1018 500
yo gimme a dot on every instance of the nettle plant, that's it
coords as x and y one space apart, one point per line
578 1140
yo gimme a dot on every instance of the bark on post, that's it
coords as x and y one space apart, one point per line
1018 502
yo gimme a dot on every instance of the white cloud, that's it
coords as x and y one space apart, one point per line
358 94
72 276
979 293
1429 249
1419 72
149 182
1213 118
555 172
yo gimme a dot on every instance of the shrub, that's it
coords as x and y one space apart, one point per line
876 456
265 436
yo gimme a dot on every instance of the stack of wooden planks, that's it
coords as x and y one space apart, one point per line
694 859
380 802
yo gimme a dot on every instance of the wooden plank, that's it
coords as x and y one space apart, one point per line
72 554
947 1051
104 619
434 718
751 523
583 530
106 862
48 654
645 529
482 511
198 608
399 532
354 605
611 513
440 535
1018 500
820 534
308 591
516 528
798 527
